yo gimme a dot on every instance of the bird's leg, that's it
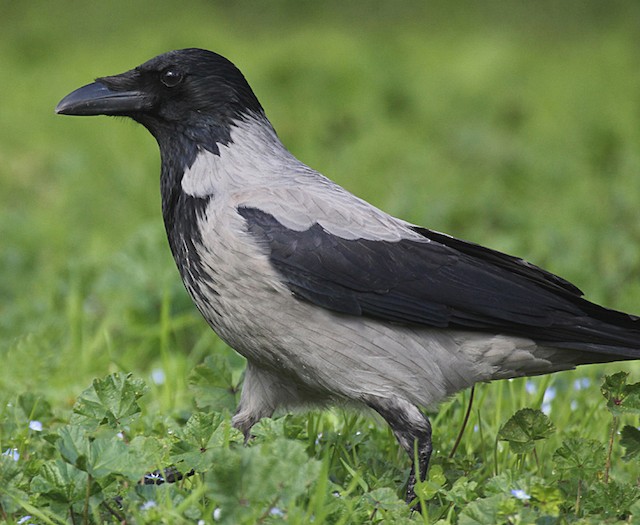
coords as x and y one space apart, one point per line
260 396
412 429
423 452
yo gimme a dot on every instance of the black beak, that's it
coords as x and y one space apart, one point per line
98 99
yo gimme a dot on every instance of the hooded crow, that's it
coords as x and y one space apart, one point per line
328 298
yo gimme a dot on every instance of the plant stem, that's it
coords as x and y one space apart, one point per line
464 423
607 465
267 512
85 511
118 515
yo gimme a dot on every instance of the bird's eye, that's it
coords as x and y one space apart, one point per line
171 77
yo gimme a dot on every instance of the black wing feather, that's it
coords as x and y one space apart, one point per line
440 282
508 262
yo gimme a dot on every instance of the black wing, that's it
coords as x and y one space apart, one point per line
440 282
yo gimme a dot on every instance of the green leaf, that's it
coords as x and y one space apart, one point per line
111 400
385 498
621 397
9 470
614 384
611 500
630 440
212 384
549 499
11 474
202 434
524 428
579 458
60 482
434 483
482 511
201 427
74 446
186 456
102 456
278 471
462 492
268 429
110 455
34 406
152 452
500 484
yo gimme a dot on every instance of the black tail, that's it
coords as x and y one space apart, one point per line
603 334
600 334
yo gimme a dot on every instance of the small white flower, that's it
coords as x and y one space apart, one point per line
24 520
156 478
35 425
549 395
583 382
157 376
217 513
275 511
520 494
530 387
148 505
12 453
201 522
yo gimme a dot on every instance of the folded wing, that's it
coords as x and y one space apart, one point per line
441 282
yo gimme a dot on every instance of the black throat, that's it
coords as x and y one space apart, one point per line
182 212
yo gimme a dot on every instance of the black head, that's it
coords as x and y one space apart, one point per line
190 92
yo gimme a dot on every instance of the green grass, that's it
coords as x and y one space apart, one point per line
514 125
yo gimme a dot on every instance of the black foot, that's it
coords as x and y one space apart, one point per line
413 431
168 475
423 452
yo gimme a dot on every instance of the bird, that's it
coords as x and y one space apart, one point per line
330 299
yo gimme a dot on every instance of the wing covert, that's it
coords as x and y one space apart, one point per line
413 282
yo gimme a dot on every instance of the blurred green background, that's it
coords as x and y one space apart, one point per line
512 124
